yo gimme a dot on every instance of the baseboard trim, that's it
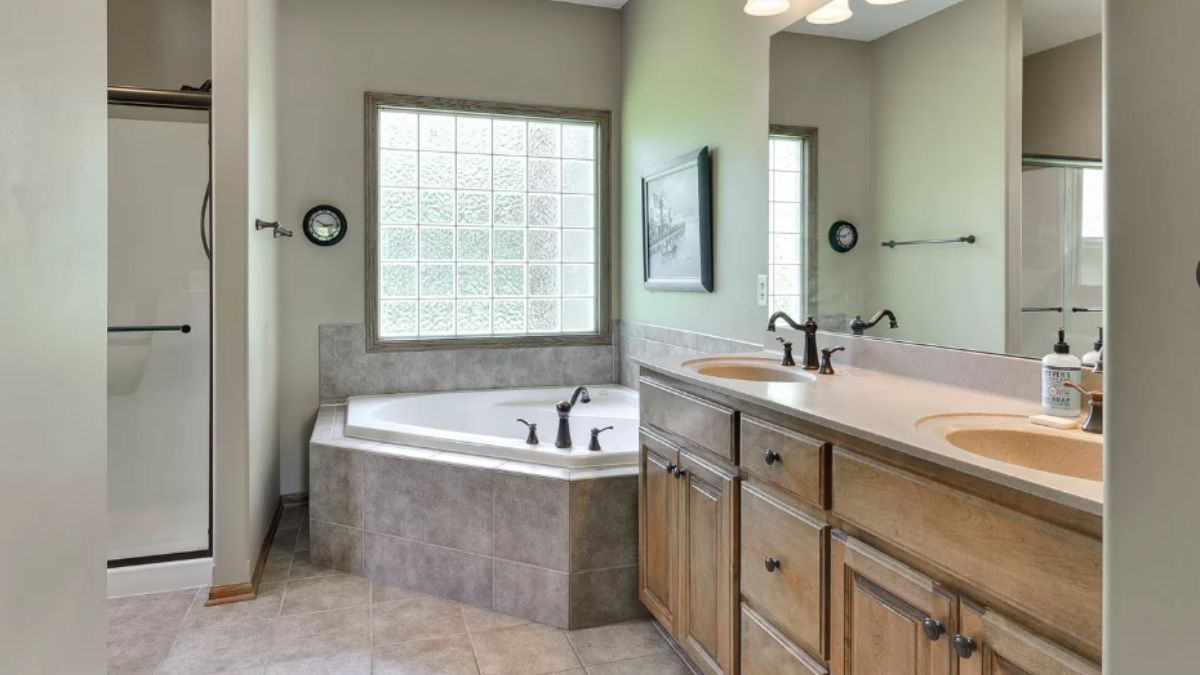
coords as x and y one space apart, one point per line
294 499
159 577
230 593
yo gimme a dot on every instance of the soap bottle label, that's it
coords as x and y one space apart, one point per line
1055 394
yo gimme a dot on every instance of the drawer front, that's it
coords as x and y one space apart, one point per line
792 461
1049 573
767 652
706 424
789 588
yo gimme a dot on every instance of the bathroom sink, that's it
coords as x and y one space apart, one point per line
1012 439
749 368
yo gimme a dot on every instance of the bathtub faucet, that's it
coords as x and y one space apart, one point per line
563 440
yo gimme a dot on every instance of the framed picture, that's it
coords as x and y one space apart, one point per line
677 225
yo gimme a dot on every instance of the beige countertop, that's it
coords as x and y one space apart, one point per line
887 410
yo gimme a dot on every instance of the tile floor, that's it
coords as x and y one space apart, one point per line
309 620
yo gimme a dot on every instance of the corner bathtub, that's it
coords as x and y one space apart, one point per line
485 423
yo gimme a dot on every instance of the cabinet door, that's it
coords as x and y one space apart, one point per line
658 528
885 617
708 566
989 644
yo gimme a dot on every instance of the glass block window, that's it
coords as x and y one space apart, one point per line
487 224
788 226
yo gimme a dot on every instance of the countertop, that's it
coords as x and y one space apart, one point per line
885 409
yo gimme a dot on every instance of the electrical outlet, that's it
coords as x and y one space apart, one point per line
762 290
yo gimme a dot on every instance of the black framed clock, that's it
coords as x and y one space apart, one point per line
843 236
324 225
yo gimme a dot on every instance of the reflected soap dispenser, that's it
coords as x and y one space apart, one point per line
1058 368
1093 380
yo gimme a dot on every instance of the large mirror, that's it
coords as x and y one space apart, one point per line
941 159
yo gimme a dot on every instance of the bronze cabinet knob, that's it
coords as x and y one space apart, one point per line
770 456
670 467
771 564
964 646
933 628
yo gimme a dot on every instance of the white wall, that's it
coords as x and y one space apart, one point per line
1063 100
52 337
330 53
1152 456
245 285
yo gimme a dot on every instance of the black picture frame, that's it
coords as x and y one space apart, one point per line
699 162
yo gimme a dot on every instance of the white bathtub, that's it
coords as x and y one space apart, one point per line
485 423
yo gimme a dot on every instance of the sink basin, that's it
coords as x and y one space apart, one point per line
749 368
1013 440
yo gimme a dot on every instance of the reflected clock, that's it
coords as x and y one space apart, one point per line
324 225
843 236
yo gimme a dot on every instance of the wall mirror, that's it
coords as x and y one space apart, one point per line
962 141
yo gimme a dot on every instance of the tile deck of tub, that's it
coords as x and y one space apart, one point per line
313 620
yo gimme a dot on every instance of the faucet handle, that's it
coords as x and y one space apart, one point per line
788 359
594 444
532 438
827 360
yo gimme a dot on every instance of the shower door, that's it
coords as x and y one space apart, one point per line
159 374
1062 254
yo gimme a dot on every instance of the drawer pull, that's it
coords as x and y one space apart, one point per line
771 564
671 467
770 457
678 472
964 646
934 629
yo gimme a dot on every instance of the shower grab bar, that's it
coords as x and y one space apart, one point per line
1078 310
277 230
1042 309
183 328
969 239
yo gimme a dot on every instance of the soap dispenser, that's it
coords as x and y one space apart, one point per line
1092 379
1060 367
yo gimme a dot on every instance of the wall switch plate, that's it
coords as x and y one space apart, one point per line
762 290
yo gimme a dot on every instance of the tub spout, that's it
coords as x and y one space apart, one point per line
563 439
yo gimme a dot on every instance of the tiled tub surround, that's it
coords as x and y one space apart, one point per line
551 545
348 369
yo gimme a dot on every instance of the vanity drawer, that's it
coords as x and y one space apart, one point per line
767 652
783 564
1047 572
792 461
704 423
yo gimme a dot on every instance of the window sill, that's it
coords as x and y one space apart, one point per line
375 344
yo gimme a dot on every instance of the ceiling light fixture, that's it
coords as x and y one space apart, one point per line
766 7
836 11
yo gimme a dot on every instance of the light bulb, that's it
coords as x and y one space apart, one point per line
766 7
836 11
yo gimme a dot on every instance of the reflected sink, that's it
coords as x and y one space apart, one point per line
749 368
1012 439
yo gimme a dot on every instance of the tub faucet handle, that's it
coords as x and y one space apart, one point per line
532 438
594 444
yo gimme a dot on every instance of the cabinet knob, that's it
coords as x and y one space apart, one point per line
678 472
964 646
771 564
934 629
671 467
770 456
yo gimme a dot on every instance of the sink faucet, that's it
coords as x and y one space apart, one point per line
858 326
563 439
810 337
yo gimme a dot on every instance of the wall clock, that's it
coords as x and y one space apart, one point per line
843 236
324 225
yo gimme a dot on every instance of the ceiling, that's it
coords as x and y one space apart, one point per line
1048 23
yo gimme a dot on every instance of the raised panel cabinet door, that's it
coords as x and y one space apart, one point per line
708 565
885 617
658 529
767 651
988 643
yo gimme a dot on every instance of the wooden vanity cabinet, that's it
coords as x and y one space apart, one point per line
658 527
987 643
885 617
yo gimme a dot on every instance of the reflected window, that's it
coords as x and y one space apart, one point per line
789 236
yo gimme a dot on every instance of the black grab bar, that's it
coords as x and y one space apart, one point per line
184 328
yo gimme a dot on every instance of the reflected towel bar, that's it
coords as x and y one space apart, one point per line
1042 309
184 328
969 239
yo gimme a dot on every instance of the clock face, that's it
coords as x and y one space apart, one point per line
324 225
843 236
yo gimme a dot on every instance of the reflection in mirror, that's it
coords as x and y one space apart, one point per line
967 133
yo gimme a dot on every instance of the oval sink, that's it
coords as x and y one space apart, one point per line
748 368
1063 454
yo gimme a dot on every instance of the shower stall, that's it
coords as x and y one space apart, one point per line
159 343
